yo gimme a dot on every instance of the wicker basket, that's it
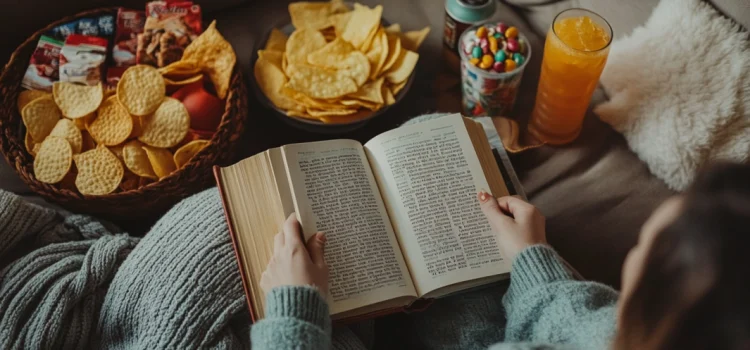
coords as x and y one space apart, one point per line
133 209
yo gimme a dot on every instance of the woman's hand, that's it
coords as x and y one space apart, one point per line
295 264
517 223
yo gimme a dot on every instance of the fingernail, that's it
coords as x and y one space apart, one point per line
322 237
483 196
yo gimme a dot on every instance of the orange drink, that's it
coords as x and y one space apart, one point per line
575 53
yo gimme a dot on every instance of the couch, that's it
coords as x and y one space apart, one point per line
594 192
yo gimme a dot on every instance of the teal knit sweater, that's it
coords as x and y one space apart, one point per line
545 309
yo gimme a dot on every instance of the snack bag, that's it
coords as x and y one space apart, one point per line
170 27
44 65
82 59
102 26
129 24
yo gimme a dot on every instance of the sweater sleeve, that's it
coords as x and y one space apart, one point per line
297 318
545 304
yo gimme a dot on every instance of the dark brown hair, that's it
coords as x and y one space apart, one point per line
694 290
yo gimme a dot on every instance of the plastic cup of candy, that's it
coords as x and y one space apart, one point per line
493 58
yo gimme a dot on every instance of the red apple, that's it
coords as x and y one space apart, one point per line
205 109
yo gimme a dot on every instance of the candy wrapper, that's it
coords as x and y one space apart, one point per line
130 23
44 65
170 27
82 59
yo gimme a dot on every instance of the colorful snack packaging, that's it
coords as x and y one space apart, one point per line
44 65
170 27
82 59
102 26
130 23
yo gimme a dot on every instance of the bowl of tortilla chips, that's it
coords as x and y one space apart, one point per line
335 66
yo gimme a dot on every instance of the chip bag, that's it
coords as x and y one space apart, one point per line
170 27
44 66
130 23
82 59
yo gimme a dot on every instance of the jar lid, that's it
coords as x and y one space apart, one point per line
470 11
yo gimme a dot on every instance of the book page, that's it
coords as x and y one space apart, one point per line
335 192
429 175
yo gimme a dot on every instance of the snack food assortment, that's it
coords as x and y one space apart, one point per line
96 141
339 65
493 58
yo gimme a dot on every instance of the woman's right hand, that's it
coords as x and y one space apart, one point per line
517 223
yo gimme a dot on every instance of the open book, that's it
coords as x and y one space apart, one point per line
400 213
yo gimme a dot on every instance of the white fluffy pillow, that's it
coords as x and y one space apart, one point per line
679 89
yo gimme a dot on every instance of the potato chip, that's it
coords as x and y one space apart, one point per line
137 130
66 129
359 103
403 67
37 146
81 122
388 96
216 57
412 40
167 126
338 6
117 151
397 87
367 44
382 57
331 55
99 171
161 160
88 142
375 50
112 124
394 28
394 52
361 24
301 43
53 160
76 101
345 119
319 82
185 153
169 82
307 101
274 57
180 67
284 63
271 79
372 92
141 90
323 113
29 142
129 182
40 116
276 41
339 22
26 96
136 159
301 114
310 15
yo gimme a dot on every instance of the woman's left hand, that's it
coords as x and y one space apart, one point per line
295 263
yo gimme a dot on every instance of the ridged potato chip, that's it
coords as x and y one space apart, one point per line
301 43
53 160
81 122
40 116
162 161
77 101
185 153
361 23
67 130
215 56
117 151
167 126
26 96
112 124
141 90
319 82
136 159
99 171
403 67
276 41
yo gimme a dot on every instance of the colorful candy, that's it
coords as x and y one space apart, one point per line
496 47
511 33
476 52
481 32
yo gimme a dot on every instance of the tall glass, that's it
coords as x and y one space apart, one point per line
575 53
